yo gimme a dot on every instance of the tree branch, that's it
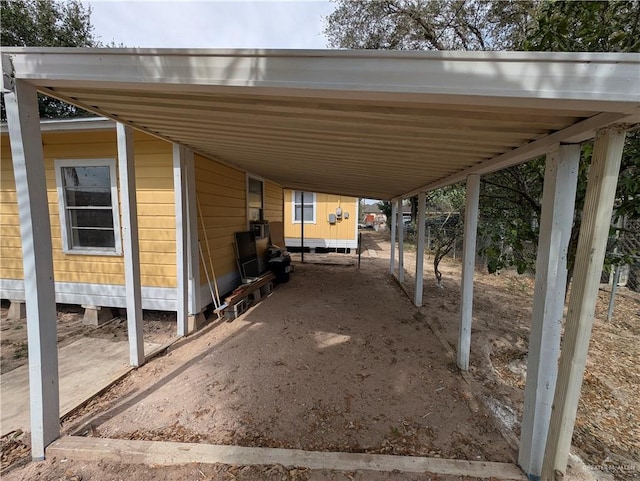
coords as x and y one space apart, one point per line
534 203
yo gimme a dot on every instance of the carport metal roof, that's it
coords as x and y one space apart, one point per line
372 124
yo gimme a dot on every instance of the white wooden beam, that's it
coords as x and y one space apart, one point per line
558 200
420 228
468 269
393 224
35 229
575 133
400 229
126 167
592 243
182 238
195 299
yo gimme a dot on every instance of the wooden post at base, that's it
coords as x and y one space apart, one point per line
35 230
420 227
195 301
592 243
393 224
558 200
301 226
126 167
182 241
468 269
400 229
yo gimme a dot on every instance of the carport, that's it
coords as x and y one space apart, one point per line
386 125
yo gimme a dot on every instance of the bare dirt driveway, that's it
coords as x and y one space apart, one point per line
338 359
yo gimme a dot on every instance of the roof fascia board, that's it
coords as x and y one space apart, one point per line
68 125
471 77
324 53
575 133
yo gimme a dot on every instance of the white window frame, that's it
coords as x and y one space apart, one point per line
259 179
115 204
293 207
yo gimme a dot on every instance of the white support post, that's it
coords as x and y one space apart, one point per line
558 200
126 168
468 269
182 244
393 224
420 227
35 230
592 243
195 301
400 229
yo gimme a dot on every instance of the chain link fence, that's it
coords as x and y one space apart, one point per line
443 229
629 244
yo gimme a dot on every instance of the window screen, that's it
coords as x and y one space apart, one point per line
88 207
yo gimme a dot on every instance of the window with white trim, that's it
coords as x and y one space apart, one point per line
308 209
88 201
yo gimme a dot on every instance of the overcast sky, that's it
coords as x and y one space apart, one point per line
211 23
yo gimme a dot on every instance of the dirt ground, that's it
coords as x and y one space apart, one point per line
339 359
158 327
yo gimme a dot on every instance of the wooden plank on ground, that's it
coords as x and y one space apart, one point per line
171 453
244 291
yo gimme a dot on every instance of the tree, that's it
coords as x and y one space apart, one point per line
427 24
385 208
510 199
600 26
446 228
47 23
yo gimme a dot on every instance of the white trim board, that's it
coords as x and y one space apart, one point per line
105 295
90 124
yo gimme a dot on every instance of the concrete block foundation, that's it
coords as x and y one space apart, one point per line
17 310
96 315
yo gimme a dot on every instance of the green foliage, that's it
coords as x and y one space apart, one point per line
510 200
427 24
46 23
570 26
385 208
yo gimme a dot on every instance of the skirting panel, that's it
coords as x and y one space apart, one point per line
226 284
105 295
326 243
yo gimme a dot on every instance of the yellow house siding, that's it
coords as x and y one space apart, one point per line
156 211
10 243
273 197
221 192
342 230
